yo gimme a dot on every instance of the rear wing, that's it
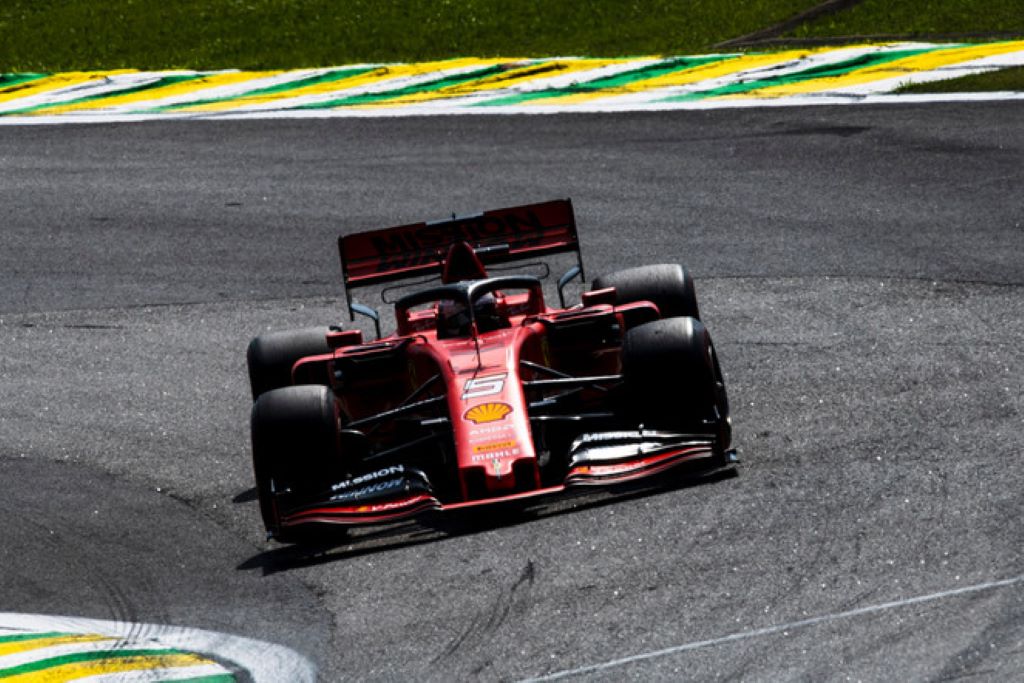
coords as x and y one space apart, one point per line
499 236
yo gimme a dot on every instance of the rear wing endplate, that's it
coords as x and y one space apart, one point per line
500 235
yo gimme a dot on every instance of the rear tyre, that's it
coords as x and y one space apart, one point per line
673 380
295 447
668 286
272 355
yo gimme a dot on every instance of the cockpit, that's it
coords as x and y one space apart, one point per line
463 308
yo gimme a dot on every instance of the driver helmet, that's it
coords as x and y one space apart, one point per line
485 309
453 319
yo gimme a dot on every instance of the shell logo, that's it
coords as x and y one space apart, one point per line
495 446
487 412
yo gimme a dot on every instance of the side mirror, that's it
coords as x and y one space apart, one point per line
566 279
369 313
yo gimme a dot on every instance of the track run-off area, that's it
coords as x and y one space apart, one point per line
860 269
834 75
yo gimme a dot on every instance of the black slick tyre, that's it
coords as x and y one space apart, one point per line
295 447
673 380
668 286
271 356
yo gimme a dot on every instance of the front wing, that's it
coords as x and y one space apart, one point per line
599 459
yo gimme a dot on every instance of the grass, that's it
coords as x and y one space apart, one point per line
1011 80
921 18
60 35
67 35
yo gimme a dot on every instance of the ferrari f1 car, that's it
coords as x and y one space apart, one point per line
485 393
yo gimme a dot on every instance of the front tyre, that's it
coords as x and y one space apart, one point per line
295 447
673 380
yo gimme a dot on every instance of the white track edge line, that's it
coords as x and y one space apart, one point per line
607 107
778 628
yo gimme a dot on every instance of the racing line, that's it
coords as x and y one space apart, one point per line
778 628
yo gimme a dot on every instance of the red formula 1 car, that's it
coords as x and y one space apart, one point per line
485 393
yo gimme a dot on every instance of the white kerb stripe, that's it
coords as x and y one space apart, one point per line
177 674
214 92
39 654
969 68
545 83
266 662
783 68
99 86
379 86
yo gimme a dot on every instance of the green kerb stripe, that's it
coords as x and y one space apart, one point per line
535 69
429 86
80 657
822 71
610 82
219 678
11 80
159 83
338 75
21 637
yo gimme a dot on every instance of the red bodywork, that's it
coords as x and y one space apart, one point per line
481 386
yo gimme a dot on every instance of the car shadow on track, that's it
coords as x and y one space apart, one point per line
335 544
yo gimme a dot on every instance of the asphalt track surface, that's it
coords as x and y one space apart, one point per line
861 271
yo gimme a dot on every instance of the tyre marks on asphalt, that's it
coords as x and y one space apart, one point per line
1008 583
48 648
501 85
62 558
486 624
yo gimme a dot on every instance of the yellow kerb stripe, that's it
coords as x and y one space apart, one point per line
696 74
511 78
923 62
38 643
165 92
377 75
71 672
56 82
